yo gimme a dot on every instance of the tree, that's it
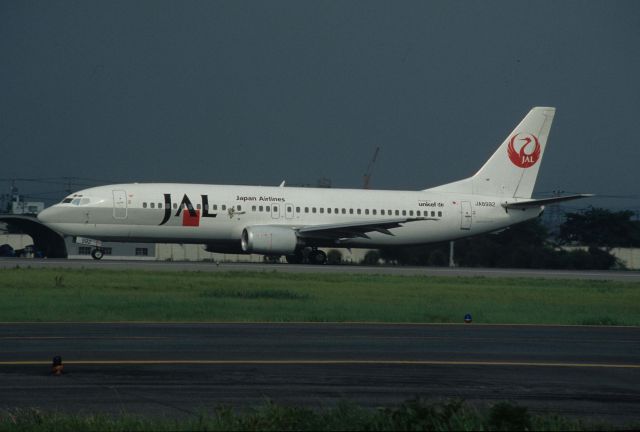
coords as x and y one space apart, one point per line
371 257
598 227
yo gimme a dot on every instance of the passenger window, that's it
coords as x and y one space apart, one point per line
224 207
350 211
306 209
152 205
359 211
382 212
144 205
366 211
239 208
267 208
439 214
261 208
159 205
175 205
329 210
417 212
410 212
375 211
344 211
404 212
397 212
297 209
313 209
433 214
215 206
321 209
335 211
253 208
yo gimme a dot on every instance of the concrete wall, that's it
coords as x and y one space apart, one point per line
194 252
188 252
630 257
191 252
16 241
161 251
117 251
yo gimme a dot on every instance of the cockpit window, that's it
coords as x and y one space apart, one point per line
66 200
76 201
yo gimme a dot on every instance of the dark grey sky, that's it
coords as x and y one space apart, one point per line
254 92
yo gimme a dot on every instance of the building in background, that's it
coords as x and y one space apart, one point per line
15 204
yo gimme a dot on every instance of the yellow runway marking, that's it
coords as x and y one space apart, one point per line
325 362
81 337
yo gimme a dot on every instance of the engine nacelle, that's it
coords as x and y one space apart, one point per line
269 239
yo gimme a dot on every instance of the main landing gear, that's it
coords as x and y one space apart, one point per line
308 255
317 257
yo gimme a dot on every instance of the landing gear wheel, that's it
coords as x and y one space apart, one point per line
317 257
97 254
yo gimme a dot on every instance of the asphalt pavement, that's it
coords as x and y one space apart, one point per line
184 368
151 265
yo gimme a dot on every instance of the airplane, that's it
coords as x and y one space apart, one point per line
296 221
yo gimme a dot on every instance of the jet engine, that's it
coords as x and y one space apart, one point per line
269 239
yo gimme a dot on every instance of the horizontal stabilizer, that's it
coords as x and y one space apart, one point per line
543 201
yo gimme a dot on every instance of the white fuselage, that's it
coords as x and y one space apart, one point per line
219 214
289 220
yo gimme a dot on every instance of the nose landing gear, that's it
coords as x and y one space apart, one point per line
97 254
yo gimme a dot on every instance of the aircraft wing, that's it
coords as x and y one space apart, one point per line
543 201
357 229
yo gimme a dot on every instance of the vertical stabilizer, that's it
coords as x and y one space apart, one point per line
512 170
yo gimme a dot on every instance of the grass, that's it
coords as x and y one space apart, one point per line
418 414
104 295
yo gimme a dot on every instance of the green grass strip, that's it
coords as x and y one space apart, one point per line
418 414
41 295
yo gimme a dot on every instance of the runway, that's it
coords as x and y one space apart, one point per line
630 276
179 369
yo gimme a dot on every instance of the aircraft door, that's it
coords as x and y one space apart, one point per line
289 211
275 211
119 204
465 214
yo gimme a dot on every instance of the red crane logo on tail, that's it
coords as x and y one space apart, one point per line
529 150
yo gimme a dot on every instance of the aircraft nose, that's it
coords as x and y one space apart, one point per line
50 215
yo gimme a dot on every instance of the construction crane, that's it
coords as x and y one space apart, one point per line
367 174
